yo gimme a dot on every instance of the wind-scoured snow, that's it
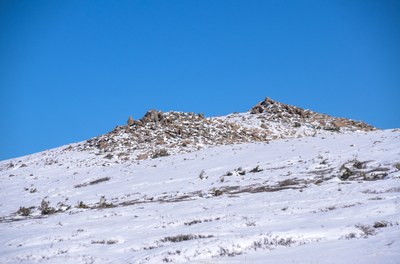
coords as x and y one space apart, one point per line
331 198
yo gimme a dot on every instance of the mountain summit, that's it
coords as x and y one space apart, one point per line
162 133
279 112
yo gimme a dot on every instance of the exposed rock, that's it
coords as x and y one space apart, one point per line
257 109
271 110
339 123
152 116
163 133
142 156
160 153
130 121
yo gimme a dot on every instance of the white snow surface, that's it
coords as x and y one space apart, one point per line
201 207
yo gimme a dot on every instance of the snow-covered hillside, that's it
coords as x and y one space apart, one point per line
324 199
278 184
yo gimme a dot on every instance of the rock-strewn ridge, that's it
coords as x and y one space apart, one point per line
278 112
163 133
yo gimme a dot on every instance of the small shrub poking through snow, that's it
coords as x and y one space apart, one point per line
256 169
82 205
390 190
103 203
229 253
380 224
242 172
105 242
24 211
180 238
104 179
45 208
193 222
203 175
268 242
228 173
367 230
288 182
350 235
216 192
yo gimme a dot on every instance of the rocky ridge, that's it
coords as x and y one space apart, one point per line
160 134
274 111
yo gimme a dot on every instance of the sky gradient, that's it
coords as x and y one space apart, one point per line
72 70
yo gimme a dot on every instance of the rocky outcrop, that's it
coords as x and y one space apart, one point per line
157 132
130 121
153 116
275 111
174 130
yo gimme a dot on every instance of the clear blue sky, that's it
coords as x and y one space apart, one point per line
72 70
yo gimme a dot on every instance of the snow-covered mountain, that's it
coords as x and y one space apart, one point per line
278 184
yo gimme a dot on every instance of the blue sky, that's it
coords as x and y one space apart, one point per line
72 70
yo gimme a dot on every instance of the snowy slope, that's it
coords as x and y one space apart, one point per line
331 198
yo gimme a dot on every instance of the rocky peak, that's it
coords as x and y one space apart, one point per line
275 111
160 133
